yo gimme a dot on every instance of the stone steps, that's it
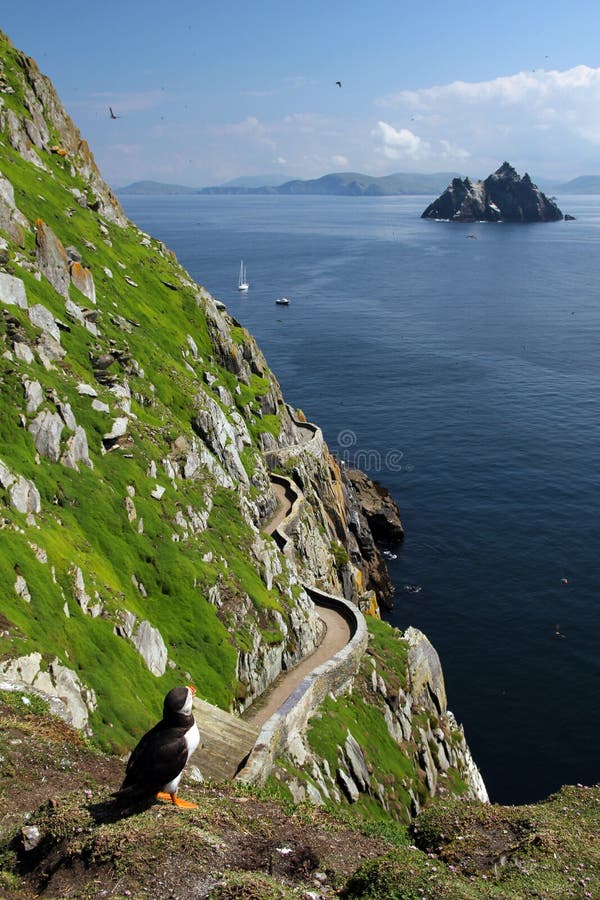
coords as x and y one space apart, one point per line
225 742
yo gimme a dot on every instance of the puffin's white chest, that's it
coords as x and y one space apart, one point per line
192 739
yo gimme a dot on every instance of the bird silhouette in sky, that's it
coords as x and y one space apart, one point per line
339 83
112 115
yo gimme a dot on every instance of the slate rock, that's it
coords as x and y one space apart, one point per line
151 647
46 429
24 496
12 291
83 280
42 318
51 258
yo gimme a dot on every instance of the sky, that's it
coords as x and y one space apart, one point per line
206 92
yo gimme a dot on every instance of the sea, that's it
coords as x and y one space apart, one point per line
459 364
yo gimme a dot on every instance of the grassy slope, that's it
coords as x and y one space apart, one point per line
84 522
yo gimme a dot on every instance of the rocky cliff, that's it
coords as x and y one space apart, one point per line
140 425
389 742
503 197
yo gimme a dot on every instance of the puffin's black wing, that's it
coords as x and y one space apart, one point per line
158 758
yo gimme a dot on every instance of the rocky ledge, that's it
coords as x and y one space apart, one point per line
373 518
503 196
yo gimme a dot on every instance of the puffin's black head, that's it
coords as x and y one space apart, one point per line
178 702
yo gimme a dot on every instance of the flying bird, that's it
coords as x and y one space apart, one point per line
112 115
156 765
339 83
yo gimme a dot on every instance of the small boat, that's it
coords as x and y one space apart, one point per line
282 301
243 280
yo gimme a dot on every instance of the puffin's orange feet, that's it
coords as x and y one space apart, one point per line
173 798
183 804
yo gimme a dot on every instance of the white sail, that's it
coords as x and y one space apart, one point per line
243 281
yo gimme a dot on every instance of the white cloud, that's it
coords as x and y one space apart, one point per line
248 127
453 151
340 161
535 87
545 121
399 144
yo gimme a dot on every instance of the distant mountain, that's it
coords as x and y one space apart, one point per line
585 184
356 184
156 187
256 181
350 184
236 186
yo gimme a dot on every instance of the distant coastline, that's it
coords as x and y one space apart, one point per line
349 184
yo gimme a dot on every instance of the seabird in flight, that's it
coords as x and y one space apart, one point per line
112 115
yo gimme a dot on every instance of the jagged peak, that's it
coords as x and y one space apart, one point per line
502 196
506 171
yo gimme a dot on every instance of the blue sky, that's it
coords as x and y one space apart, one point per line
208 91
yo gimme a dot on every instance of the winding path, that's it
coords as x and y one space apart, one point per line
337 633
336 636
226 745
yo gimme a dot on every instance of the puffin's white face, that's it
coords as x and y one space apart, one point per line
186 709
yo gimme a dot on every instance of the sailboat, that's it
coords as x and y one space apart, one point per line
243 282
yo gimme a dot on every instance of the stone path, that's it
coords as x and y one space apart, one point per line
226 740
336 637
284 504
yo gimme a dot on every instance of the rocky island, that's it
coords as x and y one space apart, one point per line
502 197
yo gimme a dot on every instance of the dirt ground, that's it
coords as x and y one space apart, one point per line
56 791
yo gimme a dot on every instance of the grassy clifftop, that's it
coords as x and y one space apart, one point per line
62 838
132 413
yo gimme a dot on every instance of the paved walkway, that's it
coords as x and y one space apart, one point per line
284 504
336 637
226 740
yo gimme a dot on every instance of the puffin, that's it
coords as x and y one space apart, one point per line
156 765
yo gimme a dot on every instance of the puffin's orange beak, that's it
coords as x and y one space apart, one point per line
191 688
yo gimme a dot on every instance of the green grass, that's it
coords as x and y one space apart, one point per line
472 850
84 520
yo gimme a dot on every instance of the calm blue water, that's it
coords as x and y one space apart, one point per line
464 374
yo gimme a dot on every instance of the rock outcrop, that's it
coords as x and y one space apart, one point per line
72 700
502 197
373 520
406 696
